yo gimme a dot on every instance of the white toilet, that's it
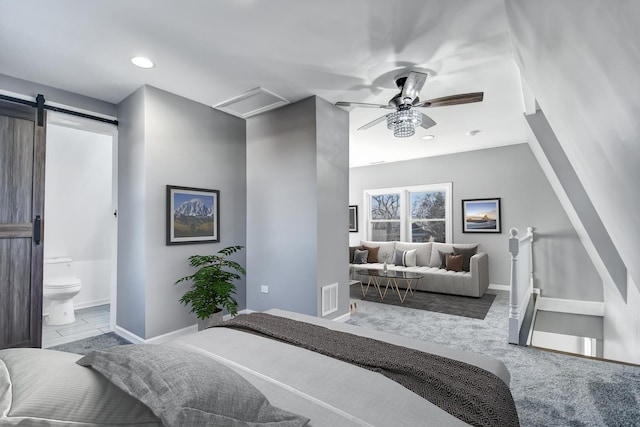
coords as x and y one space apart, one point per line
60 285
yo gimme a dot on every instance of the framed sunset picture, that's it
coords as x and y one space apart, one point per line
481 216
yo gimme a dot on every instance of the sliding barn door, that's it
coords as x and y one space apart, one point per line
22 156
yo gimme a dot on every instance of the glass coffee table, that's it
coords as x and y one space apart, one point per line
376 278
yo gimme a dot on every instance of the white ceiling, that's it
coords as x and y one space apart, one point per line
211 51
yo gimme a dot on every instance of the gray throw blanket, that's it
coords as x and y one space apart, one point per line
470 393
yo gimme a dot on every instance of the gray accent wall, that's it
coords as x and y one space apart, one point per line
297 176
182 143
563 268
51 94
132 251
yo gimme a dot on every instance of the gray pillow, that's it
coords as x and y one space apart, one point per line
46 388
443 258
466 253
405 258
187 389
360 257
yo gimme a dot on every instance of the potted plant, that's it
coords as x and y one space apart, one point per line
213 287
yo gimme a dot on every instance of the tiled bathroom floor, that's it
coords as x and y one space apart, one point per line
89 322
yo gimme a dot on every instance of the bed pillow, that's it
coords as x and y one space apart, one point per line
46 388
454 262
466 253
373 253
360 257
405 258
186 388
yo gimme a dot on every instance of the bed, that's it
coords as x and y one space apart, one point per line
270 382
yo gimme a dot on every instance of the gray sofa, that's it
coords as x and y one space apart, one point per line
429 260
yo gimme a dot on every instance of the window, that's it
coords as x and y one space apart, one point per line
410 214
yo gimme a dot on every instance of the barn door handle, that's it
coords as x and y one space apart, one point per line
37 229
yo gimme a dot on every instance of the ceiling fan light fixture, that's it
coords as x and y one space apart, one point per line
404 122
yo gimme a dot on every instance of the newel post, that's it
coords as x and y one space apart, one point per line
514 249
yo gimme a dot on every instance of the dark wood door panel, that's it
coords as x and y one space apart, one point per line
15 303
22 156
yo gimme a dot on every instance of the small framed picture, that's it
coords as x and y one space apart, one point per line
353 218
192 215
481 216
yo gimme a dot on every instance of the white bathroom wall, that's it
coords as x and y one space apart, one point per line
78 216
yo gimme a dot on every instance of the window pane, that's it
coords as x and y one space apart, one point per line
428 205
428 231
385 231
385 206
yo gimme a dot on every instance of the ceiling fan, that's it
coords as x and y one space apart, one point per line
404 120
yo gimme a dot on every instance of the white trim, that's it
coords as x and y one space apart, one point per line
589 308
345 317
500 287
159 339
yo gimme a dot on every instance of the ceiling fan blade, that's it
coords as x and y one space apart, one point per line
373 123
362 104
413 85
463 98
427 122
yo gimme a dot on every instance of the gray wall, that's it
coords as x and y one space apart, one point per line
51 94
132 251
296 157
563 269
187 144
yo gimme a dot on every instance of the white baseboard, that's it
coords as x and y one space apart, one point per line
589 308
499 287
82 305
159 339
342 318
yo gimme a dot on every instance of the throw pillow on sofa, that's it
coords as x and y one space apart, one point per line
352 252
443 258
454 262
405 258
373 253
360 257
466 253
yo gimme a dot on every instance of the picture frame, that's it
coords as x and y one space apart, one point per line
353 218
481 216
193 215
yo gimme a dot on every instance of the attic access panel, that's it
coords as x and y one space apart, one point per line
249 104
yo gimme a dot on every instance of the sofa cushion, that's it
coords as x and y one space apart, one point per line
373 253
437 260
360 256
423 251
385 253
454 262
405 258
466 253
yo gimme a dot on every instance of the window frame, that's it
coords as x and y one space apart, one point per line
405 208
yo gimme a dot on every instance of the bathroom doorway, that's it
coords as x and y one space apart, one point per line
80 221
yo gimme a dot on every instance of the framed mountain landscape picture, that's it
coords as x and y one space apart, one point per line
192 215
481 216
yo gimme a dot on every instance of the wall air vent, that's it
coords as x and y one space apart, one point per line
254 102
329 299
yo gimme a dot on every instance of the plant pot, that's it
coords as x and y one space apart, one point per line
213 320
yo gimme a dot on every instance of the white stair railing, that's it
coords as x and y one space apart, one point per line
521 250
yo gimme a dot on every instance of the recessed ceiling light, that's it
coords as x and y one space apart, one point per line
473 132
142 62
428 137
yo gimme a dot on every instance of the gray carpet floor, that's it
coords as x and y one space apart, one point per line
86 345
550 389
476 308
